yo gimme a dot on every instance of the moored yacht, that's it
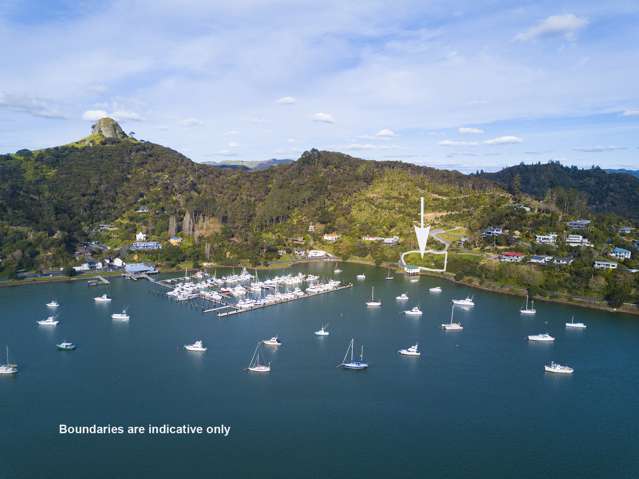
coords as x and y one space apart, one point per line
464 303
436 289
373 303
389 275
402 297
553 367
8 368
351 363
414 311
411 351
451 325
337 271
543 337
65 346
50 321
528 309
123 316
102 299
197 346
574 325
361 277
255 364
322 331
274 341
53 304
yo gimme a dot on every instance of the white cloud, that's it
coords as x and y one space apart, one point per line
566 25
31 105
118 115
470 131
226 152
191 122
323 117
94 115
368 146
457 143
504 140
599 149
385 133
124 115
291 140
630 113
286 100
231 133
232 144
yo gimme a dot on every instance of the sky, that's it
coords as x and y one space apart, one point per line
464 85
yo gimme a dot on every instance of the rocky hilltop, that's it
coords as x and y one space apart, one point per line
108 128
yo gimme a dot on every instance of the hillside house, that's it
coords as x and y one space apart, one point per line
511 257
620 253
600 264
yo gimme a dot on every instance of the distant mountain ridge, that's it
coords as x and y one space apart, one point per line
623 170
250 165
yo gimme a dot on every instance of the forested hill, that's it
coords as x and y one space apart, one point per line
595 188
70 189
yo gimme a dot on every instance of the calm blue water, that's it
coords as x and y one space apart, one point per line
476 404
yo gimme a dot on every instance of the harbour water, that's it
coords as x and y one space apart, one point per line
477 403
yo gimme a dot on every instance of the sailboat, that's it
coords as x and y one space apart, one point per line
322 331
528 310
373 303
389 275
8 368
452 326
353 364
574 325
255 365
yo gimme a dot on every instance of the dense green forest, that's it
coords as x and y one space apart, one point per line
54 201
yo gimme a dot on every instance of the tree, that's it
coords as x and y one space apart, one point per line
618 291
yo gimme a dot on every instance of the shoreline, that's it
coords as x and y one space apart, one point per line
572 301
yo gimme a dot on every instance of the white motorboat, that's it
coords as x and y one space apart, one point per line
361 277
389 276
543 337
553 367
65 346
50 321
373 303
352 364
451 325
102 299
528 309
322 331
337 271
436 289
255 364
414 279
274 341
414 311
411 351
123 316
574 325
402 297
464 303
197 346
8 368
53 304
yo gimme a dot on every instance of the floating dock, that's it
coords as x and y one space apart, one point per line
307 295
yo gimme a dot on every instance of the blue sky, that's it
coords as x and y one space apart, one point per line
465 85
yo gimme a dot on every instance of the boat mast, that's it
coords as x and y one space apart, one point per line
254 353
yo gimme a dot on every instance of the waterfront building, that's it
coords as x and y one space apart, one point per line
550 238
511 257
620 253
601 264
145 246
